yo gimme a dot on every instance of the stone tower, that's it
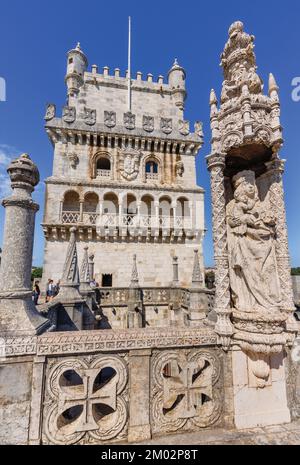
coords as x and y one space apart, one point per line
254 300
124 175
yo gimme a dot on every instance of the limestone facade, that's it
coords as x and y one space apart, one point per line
124 174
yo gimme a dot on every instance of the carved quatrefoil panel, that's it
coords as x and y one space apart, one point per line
87 402
185 395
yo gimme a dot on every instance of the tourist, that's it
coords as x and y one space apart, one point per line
57 288
50 290
36 293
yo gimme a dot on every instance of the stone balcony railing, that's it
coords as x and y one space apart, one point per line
152 176
104 173
114 220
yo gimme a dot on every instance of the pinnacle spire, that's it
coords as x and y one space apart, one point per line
272 84
70 275
197 277
84 270
134 274
213 98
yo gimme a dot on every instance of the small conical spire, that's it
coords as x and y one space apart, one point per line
84 270
70 275
213 98
134 274
78 46
197 277
272 84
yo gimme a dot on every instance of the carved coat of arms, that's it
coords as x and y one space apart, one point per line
110 119
89 116
148 123
129 120
69 114
166 125
50 112
129 164
184 127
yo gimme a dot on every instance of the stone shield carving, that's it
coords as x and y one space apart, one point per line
50 112
129 164
166 125
86 400
129 120
110 119
69 114
184 390
148 123
89 116
184 127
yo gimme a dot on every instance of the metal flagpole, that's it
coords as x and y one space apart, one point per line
129 63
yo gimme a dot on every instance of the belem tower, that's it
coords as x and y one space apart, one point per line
124 175
150 351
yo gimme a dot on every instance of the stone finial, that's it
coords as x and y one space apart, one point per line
78 47
197 276
94 69
70 275
23 173
213 98
235 27
134 274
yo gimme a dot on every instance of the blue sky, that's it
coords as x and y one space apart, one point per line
35 36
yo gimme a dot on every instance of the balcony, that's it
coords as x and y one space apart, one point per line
115 220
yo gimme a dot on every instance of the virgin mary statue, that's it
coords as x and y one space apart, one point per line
254 278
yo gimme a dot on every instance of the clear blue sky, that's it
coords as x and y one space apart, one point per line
35 36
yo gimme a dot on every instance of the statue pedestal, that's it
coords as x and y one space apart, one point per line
255 406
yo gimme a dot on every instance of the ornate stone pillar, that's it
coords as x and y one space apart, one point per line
224 328
91 266
18 314
276 196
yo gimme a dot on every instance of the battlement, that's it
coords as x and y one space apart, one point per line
110 77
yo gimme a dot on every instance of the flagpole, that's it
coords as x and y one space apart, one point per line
129 63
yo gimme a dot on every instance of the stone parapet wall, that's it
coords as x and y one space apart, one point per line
110 386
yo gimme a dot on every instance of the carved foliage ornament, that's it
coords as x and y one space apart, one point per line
86 401
129 164
184 393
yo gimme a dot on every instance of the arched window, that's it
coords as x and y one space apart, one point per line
103 167
90 208
151 170
71 208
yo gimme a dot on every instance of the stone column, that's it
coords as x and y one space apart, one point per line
18 314
224 328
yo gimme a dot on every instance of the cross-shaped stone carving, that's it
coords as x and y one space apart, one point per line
181 383
83 395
